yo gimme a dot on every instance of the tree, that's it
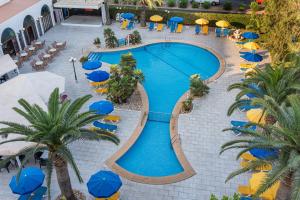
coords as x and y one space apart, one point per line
197 86
53 130
285 138
274 81
123 80
281 25
150 4
110 39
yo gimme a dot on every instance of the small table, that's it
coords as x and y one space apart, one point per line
38 43
46 56
24 54
52 50
59 43
31 48
39 63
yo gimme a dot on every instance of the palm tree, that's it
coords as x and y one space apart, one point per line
150 4
284 137
107 16
53 130
273 81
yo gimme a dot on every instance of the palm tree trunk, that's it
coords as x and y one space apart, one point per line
63 177
285 189
143 16
108 20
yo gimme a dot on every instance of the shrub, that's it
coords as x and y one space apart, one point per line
116 1
110 39
97 41
234 197
227 5
135 2
195 4
254 6
171 3
187 105
206 5
183 3
83 59
197 86
123 80
242 7
135 38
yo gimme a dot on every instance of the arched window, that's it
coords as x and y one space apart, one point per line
30 29
46 18
9 42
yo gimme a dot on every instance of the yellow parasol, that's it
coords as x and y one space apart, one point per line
202 21
255 116
115 196
156 18
257 179
223 24
251 46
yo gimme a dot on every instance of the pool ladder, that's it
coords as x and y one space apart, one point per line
175 138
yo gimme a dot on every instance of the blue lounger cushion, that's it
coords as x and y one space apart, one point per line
197 29
241 124
151 26
105 126
36 195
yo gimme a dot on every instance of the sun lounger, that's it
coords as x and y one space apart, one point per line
179 28
218 32
112 118
151 26
124 24
160 27
101 90
244 190
172 27
241 125
247 65
226 32
246 198
104 126
245 164
197 29
247 108
36 195
98 84
247 156
205 30
130 25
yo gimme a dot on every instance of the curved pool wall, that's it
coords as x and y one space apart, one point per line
167 68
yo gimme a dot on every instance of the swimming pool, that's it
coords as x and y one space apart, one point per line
167 68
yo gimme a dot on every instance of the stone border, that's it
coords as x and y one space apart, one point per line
188 171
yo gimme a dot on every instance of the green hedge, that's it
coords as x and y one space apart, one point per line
236 20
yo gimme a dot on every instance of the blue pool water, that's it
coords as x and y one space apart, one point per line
167 68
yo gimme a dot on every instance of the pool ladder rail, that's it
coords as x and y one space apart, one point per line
174 139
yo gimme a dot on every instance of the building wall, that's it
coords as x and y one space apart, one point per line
16 22
2 2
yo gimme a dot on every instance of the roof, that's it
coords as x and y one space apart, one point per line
7 64
13 7
87 4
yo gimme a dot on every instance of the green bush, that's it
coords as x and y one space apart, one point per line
187 105
224 197
197 87
254 6
135 38
110 39
171 3
123 80
195 4
236 20
97 41
206 5
83 59
242 7
183 3
227 5
116 1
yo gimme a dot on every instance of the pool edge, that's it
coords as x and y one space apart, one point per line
188 171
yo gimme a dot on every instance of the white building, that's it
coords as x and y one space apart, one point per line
22 21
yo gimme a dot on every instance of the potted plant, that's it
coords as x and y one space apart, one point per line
187 105
197 87
97 42
83 59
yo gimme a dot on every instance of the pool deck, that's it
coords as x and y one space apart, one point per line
200 131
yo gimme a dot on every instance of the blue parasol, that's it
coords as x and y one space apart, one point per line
252 57
30 179
102 107
176 19
98 76
129 16
104 184
91 65
250 35
264 153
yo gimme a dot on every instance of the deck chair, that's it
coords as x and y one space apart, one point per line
151 26
98 84
205 30
104 126
245 190
179 28
172 27
247 156
124 24
245 164
101 90
218 32
248 65
112 118
240 125
130 25
36 195
197 29
160 27
226 32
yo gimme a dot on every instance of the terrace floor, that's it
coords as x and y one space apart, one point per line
200 131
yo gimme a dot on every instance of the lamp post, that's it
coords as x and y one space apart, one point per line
73 60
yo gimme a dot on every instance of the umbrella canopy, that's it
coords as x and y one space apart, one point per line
102 107
30 179
128 15
222 23
98 76
202 21
176 19
255 116
251 46
250 35
104 184
264 153
91 65
252 57
156 18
